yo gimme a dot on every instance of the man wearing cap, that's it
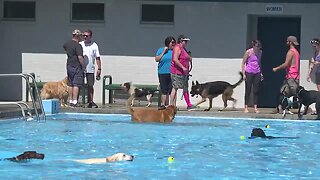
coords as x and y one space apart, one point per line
292 66
75 66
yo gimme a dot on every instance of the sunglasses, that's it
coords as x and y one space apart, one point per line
173 42
314 42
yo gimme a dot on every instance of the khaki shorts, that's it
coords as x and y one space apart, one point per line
289 87
179 82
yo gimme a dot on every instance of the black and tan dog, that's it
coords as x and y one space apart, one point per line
137 93
307 98
143 114
285 103
211 90
27 155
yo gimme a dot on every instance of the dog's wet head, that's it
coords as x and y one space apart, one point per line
126 86
173 109
123 157
30 155
258 132
195 89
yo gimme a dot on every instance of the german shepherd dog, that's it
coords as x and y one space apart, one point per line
307 98
137 93
211 90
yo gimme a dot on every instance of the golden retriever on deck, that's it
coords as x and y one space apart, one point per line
57 90
113 158
145 114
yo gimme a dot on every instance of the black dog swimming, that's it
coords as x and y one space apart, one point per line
307 98
211 90
27 155
259 133
137 93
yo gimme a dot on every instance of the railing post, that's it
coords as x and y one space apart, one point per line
104 89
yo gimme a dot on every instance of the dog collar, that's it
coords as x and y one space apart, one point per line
299 91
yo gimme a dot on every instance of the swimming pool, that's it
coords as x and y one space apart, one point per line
203 148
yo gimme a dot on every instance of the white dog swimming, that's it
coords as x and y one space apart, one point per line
113 158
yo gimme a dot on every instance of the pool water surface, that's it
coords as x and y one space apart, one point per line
202 147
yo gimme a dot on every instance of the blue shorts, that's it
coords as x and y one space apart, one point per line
75 76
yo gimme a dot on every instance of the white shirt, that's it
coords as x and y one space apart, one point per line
90 53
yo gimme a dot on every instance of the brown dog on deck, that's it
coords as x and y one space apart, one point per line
145 114
58 89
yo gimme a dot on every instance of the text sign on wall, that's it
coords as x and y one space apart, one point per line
274 9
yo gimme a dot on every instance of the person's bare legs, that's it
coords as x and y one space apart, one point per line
90 94
163 99
75 93
256 109
173 96
246 109
70 91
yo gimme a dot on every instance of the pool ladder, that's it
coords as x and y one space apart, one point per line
36 99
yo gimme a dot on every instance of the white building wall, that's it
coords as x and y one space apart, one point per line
143 70
218 33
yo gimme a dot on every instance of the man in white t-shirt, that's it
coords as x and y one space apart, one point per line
91 58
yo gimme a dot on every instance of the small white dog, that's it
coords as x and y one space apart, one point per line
113 158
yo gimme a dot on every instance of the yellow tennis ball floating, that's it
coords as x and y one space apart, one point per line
242 137
170 159
267 126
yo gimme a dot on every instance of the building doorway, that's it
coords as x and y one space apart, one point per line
273 33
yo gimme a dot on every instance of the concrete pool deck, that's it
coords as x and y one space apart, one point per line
265 113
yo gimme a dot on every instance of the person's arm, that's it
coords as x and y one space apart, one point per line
98 60
175 59
311 64
79 52
286 64
158 58
243 64
261 74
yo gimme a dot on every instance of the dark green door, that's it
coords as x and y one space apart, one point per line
273 33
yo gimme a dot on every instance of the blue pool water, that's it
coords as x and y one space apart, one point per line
203 148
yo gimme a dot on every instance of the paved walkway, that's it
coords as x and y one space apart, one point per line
10 111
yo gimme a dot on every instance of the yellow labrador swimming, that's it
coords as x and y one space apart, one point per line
113 158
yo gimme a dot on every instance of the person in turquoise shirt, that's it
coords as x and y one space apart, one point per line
164 57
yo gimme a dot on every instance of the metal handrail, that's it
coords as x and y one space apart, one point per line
19 104
34 99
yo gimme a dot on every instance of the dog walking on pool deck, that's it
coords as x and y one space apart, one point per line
137 93
147 114
58 89
211 90
307 98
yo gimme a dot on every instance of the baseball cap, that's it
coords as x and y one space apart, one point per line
293 39
183 38
76 32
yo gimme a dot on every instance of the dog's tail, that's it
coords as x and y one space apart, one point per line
239 82
128 104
